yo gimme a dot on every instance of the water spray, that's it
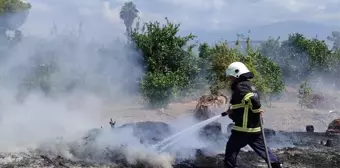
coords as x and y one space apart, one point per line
166 146
174 138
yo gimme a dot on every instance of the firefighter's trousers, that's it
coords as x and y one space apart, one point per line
238 140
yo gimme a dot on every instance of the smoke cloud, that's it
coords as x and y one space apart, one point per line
70 63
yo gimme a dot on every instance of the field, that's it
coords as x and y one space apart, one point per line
296 149
60 87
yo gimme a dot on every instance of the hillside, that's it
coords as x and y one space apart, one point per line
261 33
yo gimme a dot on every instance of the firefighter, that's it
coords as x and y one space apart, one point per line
245 112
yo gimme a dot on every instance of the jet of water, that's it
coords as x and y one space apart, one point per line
175 140
172 139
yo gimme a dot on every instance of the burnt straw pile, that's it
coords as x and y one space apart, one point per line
305 149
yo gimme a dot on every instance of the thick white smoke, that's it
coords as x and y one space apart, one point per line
70 65
57 82
71 61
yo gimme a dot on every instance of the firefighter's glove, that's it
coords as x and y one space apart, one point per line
261 112
224 114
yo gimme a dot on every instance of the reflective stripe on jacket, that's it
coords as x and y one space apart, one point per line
247 107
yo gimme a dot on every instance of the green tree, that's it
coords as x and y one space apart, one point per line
221 56
159 88
294 60
39 79
271 49
171 66
333 70
252 61
271 75
9 6
335 38
13 14
205 53
304 94
298 56
128 14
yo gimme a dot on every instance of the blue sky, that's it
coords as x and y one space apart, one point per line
210 15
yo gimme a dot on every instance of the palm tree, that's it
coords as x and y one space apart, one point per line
128 13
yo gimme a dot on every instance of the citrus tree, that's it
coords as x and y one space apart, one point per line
170 65
13 6
304 94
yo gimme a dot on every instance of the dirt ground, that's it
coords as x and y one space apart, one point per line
284 115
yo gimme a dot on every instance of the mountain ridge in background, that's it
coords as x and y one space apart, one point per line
261 33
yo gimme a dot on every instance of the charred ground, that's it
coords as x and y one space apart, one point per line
308 150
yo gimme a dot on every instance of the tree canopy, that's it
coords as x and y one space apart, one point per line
13 6
173 69
128 14
169 62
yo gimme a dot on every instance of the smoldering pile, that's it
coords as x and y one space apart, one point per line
307 149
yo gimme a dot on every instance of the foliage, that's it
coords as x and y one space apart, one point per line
41 78
304 94
271 74
172 68
205 53
221 56
128 14
267 75
13 6
271 49
317 51
168 60
9 8
297 56
335 38
158 88
253 62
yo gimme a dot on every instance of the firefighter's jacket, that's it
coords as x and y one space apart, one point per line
245 105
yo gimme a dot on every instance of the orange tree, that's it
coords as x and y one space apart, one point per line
268 77
13 6
170 65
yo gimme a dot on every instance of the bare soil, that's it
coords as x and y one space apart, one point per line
306 150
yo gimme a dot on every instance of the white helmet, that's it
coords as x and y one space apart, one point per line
236 69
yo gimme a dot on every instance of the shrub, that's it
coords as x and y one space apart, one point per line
304 94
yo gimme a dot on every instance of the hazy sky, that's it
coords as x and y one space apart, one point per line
194 14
